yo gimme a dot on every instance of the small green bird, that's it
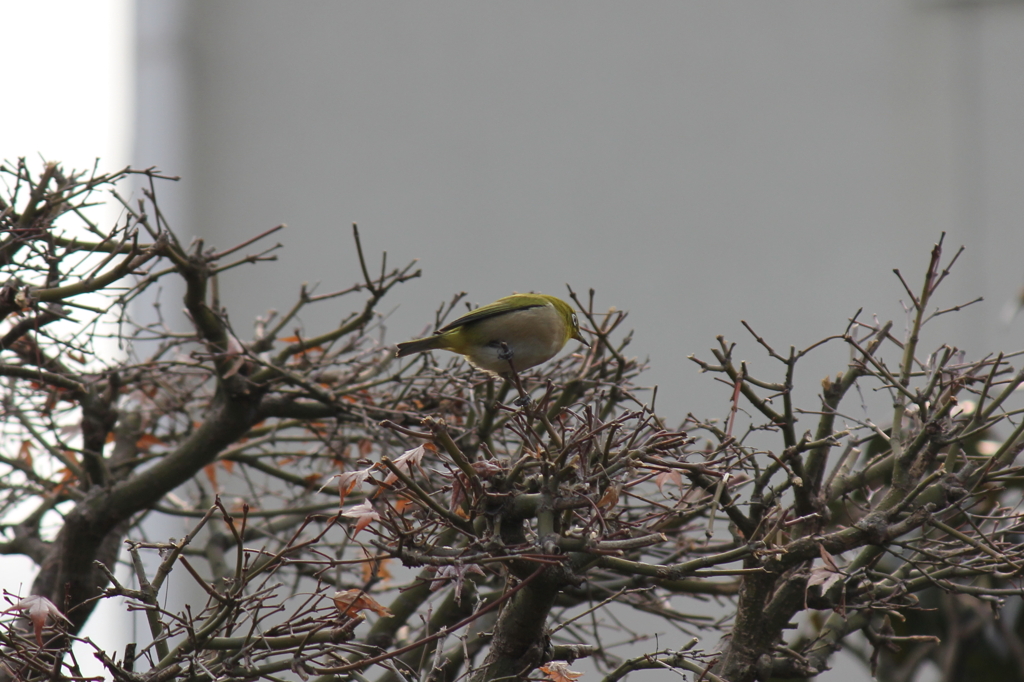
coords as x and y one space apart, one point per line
527 329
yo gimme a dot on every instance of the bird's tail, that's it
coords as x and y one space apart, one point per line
419 345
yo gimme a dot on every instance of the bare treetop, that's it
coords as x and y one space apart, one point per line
351 516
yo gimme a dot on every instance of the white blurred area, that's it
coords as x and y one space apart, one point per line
68 78
68 75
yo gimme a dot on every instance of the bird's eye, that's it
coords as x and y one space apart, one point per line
575 322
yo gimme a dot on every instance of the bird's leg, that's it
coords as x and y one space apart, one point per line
505 353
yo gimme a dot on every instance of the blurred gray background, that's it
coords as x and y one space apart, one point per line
695 163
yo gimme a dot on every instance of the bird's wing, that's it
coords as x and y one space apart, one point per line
500 307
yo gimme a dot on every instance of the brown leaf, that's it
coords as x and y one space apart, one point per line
364 514
610 498
409 459
25 452
317 428
828 559
146 441
375 567
403 503
351 602
37 609
349 480
670 476
211 473
824 576
557 671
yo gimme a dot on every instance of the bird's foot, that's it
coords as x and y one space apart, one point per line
505 353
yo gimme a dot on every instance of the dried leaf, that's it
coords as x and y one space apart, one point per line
37 609
557 671
211 473
828 559
409 459
670 476
364 514
349 480
375 567
351 602
25 452
318 429
458 496
403 503
66 478
610 498
146 441
824 576
486 468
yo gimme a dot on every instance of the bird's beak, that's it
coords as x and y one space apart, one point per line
579 337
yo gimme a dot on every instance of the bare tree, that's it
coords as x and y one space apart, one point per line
351 516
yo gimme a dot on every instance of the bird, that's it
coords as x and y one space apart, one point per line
512 334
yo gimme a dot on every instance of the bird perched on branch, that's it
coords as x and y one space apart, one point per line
512 334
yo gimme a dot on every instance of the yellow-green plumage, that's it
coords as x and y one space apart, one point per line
534 326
